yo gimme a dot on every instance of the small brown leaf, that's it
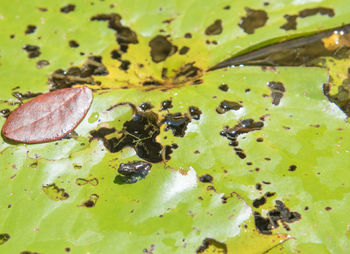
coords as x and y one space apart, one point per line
48 117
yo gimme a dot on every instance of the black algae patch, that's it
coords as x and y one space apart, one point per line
261 201
68 8
75 75
132 172
206 178
73 44
4 238
42 63
176 122
32 50
227 106
195 112
161 48
207 242
291 22
30 29
124 34
244 126
215 28
253 20
280 214
320 10
184 50
277 91
223 87
165 105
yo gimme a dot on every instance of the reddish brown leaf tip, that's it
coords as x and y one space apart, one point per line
48 117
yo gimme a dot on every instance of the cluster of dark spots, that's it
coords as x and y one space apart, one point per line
165 105
42 63
280 213
313 11
4 238
188 35
277 91
124 65
211 42
146 106
206 178
291 23
124 34
244 126
132 172
215 28
223 87
91 202
54 192
292 168
261 201
195 112
73 44
253 20
207 242
176 122
30 29
227 106
68 8
5 112
32 50
184 50
102 132
75 75
161 48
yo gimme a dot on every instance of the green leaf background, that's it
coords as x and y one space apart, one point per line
171 211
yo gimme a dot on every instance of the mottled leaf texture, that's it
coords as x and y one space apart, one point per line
49 116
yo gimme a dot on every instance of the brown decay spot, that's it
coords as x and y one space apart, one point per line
73 44
259 140
227 7
195 112
4 238
42 63
292 168
55 193
124 65
291 23
30 29
244 126
227 106
132 172
184 50
207 242
91 202
261 201
223 87
188 35
67 249
161 48
253 20
42 9
280 214
75 75
277 91
28 252
124 34
68 8
32 50
258 186
215 28
206 178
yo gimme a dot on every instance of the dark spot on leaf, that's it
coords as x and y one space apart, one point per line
42 9
188 36
177 122
197 82
223 87
132 172
195 112
227 7
277 91
292 168
124 65
280 214
28 252
102 132
240 153
215 28
33 51
253 20
165 105
184 50
227 106
207 242
68 8
258 186
151 83
261 201
115 54
328 208
161 48
146 106
4 238
92 201
291 23
313 11
42 63
12 36
168 21
206 178
30 29
124 48
67 249
73 44
55 193
259 140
